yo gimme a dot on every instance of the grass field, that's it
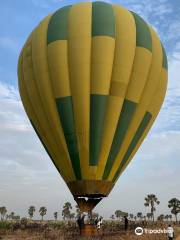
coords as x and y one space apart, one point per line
113 230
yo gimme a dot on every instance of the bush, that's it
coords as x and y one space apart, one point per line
5 225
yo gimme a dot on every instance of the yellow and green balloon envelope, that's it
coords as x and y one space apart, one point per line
92 78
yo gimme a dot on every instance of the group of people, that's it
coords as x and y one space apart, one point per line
82 219
170 230
98 222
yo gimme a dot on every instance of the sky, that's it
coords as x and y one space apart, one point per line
27 175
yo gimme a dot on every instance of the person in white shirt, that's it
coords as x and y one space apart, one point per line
99 222
170 233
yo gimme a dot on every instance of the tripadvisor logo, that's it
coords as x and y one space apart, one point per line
139 231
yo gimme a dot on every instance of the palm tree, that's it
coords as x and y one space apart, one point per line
17 217
72 216
55 215
3 212
149 216
118 214
151 200
11 215
166 217
42 211
31 211
124 214
131 216
139 215
66 210
161 217
174 203
170 217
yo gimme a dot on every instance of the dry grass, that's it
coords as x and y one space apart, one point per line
64 231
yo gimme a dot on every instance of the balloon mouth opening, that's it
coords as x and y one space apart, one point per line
88 193
88 202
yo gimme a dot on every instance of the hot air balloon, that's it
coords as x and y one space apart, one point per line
92 79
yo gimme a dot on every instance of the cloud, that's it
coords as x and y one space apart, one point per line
45 4
173 30
25 167
17 132
40 3
147 8
160 14
27 175
155 167
168 119
26 172
9 43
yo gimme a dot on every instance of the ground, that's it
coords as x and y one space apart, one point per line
68 231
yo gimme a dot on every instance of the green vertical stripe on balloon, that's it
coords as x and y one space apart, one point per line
35 129
125 118
58 25
65 110
97 115
103 20
142 127
165 62
143 34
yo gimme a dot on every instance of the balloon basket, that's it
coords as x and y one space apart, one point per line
89 230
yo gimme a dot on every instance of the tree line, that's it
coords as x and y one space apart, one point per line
150 201
66 213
